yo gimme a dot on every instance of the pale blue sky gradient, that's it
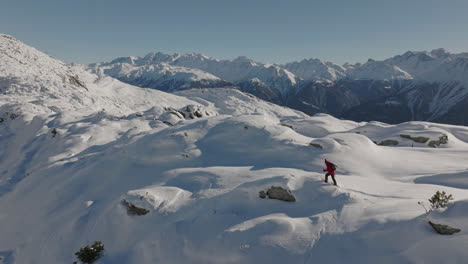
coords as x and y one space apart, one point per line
273 31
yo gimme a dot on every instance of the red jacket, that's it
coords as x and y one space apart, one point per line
329 168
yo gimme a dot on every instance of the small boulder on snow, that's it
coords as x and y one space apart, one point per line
133 209
444 229
173 116
278 193
442 140
388 142
415 139
315 145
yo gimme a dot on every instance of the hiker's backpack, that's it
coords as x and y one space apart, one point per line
332 166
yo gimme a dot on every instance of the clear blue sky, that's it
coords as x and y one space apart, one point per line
341 31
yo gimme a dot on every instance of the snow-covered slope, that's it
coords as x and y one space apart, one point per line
26 70
197 160
161 76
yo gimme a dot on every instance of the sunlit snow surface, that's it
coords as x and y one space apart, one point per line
200 177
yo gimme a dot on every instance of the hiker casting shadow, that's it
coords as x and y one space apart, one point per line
331 168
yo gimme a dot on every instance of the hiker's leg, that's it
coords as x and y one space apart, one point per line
326 177
333 178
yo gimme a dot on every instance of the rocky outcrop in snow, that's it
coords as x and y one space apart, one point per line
278 193
444 229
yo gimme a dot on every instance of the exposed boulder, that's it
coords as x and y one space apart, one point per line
388 142
76 81
415 139
189 111
315 145
442 140
12 116
175 112
262 194
196 111
133 209
444 229
280 193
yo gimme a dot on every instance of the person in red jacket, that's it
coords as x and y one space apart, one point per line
331 168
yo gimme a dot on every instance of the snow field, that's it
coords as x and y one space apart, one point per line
200 177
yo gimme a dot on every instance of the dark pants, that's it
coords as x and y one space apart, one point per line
333 177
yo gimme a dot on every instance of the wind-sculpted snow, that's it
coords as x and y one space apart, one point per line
196 160
163 199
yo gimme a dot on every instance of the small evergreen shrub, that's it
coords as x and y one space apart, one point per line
440 200
90 254
54 132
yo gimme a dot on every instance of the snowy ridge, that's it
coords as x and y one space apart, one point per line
160 76
437 65
22 66
376 70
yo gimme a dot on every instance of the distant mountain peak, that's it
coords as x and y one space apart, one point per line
439 53
243 59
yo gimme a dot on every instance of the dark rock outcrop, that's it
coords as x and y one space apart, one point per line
444 229
133 209
442 140
279 193
388 142
415 139
315 145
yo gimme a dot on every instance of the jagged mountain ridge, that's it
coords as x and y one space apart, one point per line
202 68
426 84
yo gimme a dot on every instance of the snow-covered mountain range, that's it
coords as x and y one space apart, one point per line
427 85
80 148
202 68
